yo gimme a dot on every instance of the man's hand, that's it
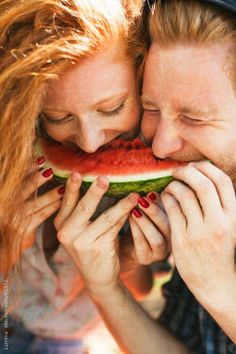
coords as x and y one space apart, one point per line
201 207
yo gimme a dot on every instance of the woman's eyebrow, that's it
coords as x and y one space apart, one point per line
108 98
48 109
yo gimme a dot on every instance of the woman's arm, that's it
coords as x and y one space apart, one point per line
138 281
94 247
135 331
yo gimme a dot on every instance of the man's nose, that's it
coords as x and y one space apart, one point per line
166 140
89 138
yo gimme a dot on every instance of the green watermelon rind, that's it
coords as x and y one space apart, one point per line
122 189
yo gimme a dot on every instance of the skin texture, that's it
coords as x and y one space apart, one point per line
91 104
204 193
189 110
189 115
94 102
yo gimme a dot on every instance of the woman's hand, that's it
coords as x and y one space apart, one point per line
150 230
93 244
39 209
201 207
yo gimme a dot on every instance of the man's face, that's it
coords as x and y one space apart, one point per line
190 105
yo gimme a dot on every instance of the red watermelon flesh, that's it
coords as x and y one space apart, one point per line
129 165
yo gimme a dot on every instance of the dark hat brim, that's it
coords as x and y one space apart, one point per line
226 4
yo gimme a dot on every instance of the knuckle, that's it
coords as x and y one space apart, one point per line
61 235
172 186
44 214
119 224
95 191
220 230
128 203
187 194
206 186
107 218
56 222
82 208
158 245
153 213
224 179
76 245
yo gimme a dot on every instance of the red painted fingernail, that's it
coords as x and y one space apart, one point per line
41 160
137 213
152 196
48 173
143 202
61 190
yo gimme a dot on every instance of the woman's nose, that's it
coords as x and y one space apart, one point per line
89 138
166 140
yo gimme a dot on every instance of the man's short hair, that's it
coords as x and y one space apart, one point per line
193 22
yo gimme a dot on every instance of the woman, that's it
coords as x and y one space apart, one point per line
38 41
70 68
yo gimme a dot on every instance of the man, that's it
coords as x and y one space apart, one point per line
189 102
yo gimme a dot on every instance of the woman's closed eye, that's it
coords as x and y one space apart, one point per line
114 111
63 120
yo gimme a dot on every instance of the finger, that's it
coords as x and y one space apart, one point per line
155 239
70 199
111 216
87 205
38 179
155 197
188 202
203 187
222 182
37 165
42 215
112 234
177 219
40 161
45 199
142 248
156 214
106 240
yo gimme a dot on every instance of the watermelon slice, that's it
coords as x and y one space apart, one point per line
130 166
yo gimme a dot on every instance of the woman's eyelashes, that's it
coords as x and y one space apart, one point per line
69 117
114 111
63 120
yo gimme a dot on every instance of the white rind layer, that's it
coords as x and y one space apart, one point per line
127 178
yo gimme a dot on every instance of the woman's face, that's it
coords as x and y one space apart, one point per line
93 102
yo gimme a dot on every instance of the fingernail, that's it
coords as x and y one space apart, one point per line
41 160
61 190
133 198
137 213
152 196
48 173
102 182
143 202
75 177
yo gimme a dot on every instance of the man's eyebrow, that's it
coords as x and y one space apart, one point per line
197 111
146 100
